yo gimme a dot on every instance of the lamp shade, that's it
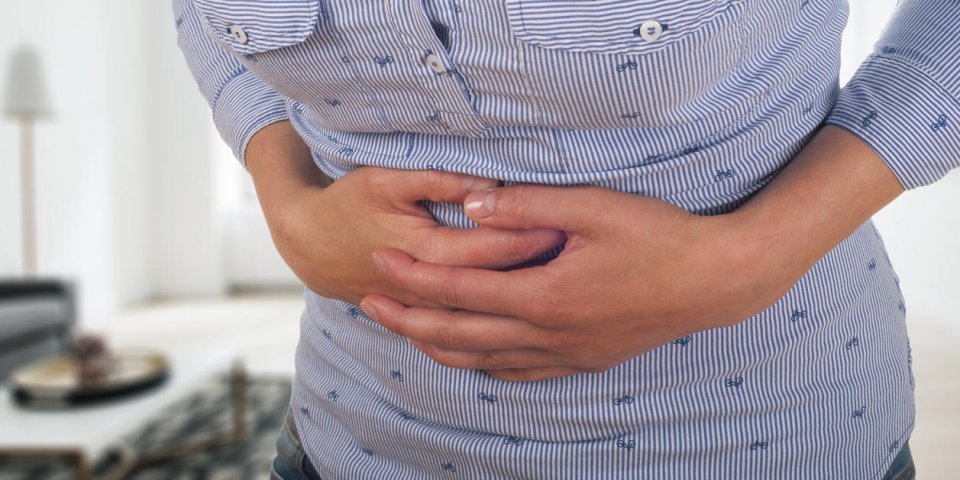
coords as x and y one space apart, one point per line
26 93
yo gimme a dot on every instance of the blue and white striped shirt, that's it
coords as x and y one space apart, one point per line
696 102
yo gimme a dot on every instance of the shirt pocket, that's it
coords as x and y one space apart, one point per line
255 26
611 26
628 63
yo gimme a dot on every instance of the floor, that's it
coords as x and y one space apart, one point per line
262 330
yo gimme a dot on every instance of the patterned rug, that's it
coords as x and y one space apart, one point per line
206 413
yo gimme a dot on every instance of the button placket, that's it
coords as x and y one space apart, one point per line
440 81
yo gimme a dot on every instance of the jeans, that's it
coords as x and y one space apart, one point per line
292 463
902 468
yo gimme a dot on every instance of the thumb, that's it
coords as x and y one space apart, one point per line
417 185
535 206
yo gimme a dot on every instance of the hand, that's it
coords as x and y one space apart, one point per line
327 232
635 274
327 235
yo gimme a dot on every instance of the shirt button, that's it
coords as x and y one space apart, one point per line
650 30
238 34
434 63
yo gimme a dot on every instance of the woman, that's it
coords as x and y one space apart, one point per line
722 306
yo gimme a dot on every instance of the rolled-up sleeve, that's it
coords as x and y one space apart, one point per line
904 101
241 102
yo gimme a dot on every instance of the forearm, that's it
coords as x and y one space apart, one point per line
834 185
281 165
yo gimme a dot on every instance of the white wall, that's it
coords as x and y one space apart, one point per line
124 173
86 154
187 223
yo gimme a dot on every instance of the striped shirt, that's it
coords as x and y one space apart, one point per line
696 102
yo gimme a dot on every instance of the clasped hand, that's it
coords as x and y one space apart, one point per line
635 273
327 234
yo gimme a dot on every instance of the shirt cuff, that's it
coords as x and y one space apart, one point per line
243 107
905 116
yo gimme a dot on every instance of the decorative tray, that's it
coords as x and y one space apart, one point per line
57 383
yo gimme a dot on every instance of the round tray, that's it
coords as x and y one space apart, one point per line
56 382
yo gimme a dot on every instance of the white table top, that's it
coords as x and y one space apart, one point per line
94 428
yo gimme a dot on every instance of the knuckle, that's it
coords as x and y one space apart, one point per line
539 312
519 244
435 178
451 339
548 309
416 246
491 360
563 341
521 200
374 177
450 290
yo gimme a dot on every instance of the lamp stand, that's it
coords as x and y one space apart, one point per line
28 216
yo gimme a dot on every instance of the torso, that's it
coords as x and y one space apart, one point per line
701 114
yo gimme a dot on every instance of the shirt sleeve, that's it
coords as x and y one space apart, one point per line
904 101
241 102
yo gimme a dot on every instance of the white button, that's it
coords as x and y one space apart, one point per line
435 63
651 30
237 33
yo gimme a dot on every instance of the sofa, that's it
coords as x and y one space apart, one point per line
36 321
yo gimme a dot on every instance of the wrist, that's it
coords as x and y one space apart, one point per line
834 185
767 254
281 166
277 155
758 265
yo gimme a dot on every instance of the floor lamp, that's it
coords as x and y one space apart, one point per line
26 101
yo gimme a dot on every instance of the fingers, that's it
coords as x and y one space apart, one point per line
462 340
534 206
473 341
457 330
535 374
408 186
484 247
488 359
511 293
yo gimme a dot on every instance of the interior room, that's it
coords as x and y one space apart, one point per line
128 227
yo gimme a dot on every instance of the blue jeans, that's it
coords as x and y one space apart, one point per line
292 463
902 468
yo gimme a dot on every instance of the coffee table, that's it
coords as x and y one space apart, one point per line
85 434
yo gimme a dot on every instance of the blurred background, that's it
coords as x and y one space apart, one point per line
155 226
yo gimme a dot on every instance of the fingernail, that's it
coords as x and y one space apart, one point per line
476 184
379 263
480 204
368 309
